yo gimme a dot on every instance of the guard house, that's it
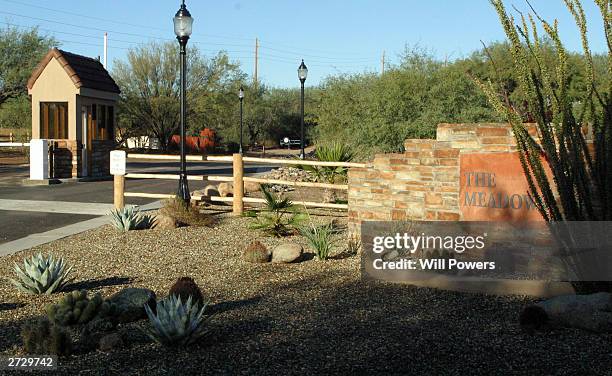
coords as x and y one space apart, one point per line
73 106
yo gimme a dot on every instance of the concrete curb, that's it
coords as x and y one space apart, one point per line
34 240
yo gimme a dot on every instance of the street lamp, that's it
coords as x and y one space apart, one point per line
302 74
182 28
241 97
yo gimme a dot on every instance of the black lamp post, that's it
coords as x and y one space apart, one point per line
182 28
241 97
302 73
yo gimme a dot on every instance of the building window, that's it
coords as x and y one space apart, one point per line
54 120
103 117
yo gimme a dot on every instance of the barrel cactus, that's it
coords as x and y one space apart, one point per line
42 274
186 287
176 324
129 218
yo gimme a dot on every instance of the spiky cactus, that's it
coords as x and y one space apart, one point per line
42 274
77 308
44 337
129 218
176 324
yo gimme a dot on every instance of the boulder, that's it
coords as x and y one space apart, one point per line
130 303
286 253
110 342
227 189
164 222
589 312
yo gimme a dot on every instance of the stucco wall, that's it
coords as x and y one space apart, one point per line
54 85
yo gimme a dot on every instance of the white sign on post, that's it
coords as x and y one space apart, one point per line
117 162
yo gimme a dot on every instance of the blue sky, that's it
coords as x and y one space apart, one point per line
333 36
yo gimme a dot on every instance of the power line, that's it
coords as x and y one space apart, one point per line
113 21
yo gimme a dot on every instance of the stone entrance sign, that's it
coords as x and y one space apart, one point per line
493 188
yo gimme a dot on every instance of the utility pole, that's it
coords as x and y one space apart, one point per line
105 50
256 61
382 63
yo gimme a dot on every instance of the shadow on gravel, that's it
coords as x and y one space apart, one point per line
97 283
232 305
10 306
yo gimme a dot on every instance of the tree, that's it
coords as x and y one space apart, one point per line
150 86
20 52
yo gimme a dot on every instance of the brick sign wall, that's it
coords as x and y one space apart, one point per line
469 172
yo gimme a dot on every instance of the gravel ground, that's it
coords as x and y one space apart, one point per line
311 317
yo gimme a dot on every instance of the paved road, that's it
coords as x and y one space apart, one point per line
17 224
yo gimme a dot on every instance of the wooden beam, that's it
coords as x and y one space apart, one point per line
166 157
148 195
286 161
302 203
163 176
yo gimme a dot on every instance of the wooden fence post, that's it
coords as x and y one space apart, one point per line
119 187
238 184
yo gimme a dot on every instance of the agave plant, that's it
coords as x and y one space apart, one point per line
278 216
176 323
129 218
42 275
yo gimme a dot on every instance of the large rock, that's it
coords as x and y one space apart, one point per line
286 253
110 342
227 189
589 312
164 222
130 303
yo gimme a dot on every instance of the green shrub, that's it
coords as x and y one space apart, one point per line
320 239
279 217
176 324
43 337
334 152
184 214
42 275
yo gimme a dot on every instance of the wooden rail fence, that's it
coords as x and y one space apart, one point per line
238 179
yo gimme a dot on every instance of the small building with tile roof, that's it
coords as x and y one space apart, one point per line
73 106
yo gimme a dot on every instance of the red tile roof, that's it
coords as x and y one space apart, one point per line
83 71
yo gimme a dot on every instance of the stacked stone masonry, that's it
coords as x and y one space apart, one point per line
423 182
66 159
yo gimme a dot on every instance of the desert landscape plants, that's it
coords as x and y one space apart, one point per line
41 274
320 239
77 308
279 216
185 215
176 323
579 185
186 287
256 252
129 218
43 337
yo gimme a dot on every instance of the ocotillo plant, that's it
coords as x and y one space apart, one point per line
581 177
580 184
